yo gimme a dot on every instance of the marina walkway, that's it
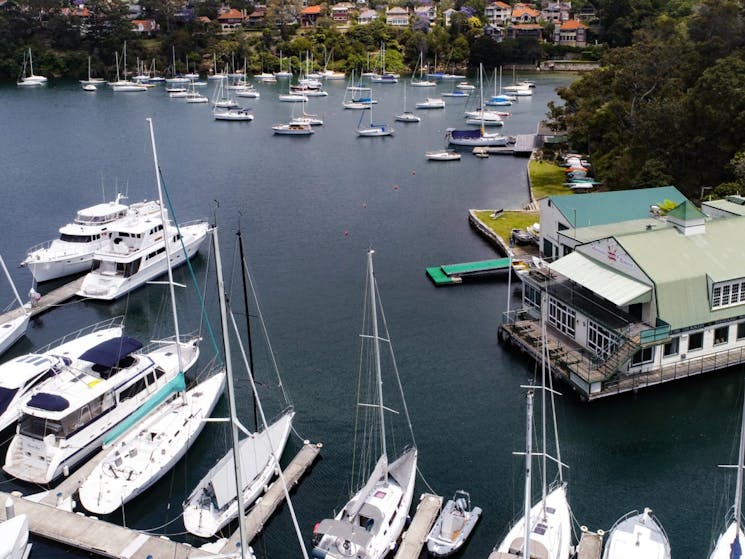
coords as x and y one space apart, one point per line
452 274
96 536
426 513
268 503
590 544
47 301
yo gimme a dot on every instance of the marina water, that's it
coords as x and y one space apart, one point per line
309 208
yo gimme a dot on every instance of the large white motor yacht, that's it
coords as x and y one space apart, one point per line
72 252
135 253
67 418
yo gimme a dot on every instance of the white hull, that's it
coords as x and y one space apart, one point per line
213 502
452 528
443 155
375 131
639 536
487 140
550 536
232 114
408 117
101 285
68 263
388 502
150 449
723 549
292 129
11 331
431 103
14 538
44 460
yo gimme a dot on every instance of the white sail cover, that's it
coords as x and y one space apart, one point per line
372 481
255 452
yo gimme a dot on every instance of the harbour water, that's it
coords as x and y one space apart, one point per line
309 208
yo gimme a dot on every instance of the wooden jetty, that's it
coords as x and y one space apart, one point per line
47 301
268 503
523 146
426 513
590 544
96 536
452 274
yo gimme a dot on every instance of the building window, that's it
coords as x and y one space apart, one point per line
561 317
671 347
721 335
645 355
726 294
695 341
548 248
740 330
601 340
532 296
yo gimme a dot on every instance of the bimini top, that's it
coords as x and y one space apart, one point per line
110 352
49 402
476 133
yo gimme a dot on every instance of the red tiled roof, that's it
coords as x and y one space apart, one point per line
501 5
518 11
231 14
312 10
573 24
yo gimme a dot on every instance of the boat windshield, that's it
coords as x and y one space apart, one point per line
6 397
83 219
78 238
39 427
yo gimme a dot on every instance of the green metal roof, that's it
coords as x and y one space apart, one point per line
602 208
686 212
679 266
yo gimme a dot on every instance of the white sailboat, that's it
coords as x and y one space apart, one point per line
307 118
639 535
370 524
91 80
373 130
545 528
282 74
16 324
215 501
153 445
733 537
30 79
407 116
421 82
125 85
499 99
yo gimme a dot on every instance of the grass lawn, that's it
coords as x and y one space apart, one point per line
547 179
503 224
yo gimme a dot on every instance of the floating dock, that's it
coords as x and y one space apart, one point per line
268 503
426 513
590 544
96 536
523 146
47 301
451 274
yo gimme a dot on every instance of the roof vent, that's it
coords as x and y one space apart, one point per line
649 226
654 210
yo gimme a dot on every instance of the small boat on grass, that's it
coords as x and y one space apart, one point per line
453 526
443 155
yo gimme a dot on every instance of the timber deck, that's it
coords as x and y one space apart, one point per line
413 539
590 544
96 536
47 302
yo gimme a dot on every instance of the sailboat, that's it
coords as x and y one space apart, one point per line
282 74
30 79
290 96
372 520
153 445
479 137
215 502
407 116
373 130
730 543
15 326
545 528
176 79
499 99
125 85
91 81
307 118
421 82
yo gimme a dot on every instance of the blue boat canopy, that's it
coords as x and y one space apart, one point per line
49 402
110 352
466 133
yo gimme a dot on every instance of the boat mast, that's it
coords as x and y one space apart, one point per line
12 285
544 358
166 241
740 465
30 61
528 472
248 327
374 309
231 397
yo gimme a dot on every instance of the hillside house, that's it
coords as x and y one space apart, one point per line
498 14
571 33
397 16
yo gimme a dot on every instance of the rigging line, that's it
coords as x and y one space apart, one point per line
203 310
359 389
265 331
156 529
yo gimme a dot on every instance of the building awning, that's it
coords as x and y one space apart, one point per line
605 281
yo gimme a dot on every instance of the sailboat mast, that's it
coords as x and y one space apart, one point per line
544 357
30 61
166 240
528 472
374 316
231 397
10 281
249 339
740 465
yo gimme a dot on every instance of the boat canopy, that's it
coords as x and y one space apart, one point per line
110 352
463 134
48 402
